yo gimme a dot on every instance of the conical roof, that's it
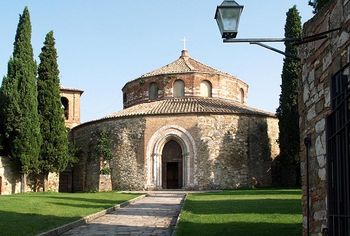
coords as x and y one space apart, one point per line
184 64
188 105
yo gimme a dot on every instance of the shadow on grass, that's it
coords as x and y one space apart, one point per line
89 200
238 192
85 206
238 229
255 206
13 223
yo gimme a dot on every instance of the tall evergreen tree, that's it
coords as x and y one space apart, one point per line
19 101
9 111
54 149
287 111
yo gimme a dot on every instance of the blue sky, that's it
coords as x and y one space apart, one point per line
103 44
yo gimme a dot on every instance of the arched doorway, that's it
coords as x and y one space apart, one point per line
163 139
172 167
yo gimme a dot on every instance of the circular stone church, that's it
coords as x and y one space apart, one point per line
183 126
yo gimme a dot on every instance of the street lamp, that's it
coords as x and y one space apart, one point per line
227 16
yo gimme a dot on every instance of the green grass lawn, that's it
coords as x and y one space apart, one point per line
32 213
242 212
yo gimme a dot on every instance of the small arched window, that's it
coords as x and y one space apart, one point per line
241 95
205 89
179 89
124 98
65 107
153 91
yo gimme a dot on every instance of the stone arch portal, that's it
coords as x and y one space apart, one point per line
154 160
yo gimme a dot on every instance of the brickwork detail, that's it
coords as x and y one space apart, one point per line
72 106
192 73
321 60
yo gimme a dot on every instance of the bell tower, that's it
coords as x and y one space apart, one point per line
70 100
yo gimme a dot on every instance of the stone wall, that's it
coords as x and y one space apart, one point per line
263 149
231 150
127 165
222 154
321 60
52 182
10 180
105 183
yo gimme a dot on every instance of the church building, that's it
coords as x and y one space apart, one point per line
185 125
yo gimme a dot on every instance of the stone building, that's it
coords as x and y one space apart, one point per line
324 122
10 180
183 126
70 99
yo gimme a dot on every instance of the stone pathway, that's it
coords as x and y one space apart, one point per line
155 214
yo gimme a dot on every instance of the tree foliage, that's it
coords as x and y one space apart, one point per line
19 105
54 155
287 111
103 147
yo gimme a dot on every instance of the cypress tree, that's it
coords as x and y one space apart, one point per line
19 101
54 149
287 111
9 113
2 131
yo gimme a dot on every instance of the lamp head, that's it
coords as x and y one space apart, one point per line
227 16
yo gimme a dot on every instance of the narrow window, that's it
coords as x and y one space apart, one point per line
153 91
124 97
205 89
65 107
179 89
242 95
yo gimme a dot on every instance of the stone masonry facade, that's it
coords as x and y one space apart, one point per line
321 60
10 180
231 151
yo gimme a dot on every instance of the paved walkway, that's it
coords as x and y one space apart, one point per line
155 214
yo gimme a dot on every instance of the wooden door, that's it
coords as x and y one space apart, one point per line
172 170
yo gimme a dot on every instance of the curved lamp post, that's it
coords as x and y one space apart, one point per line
227 16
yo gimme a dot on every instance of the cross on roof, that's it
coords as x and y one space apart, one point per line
184 40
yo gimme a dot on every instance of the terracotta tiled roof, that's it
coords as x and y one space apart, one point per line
71 89
188 105
182 65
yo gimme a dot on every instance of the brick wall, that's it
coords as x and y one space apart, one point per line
73 97
225 87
